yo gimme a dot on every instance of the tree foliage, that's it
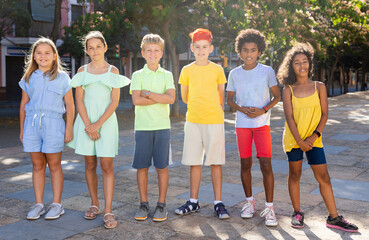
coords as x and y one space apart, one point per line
12 12
114 24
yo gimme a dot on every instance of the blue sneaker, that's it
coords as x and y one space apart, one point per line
55 211
36 211
188 208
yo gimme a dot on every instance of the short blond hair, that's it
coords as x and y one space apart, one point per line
152 39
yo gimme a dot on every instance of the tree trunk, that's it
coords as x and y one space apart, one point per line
364 75
175 64
57 19
331 75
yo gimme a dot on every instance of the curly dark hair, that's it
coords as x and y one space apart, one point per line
286 75
250 35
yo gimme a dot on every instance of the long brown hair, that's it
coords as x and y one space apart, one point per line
31 64
286 75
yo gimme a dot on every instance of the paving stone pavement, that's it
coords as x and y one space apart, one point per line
346 139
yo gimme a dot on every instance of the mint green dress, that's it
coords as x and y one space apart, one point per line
97 98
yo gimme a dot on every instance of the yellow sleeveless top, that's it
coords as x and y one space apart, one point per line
307 113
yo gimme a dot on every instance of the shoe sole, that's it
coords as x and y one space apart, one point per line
141 218
55 217
340 228
297 226
271 224
35 218
179 213
247 216
223 217
160 219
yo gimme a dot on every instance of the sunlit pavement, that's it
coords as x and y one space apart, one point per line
346 143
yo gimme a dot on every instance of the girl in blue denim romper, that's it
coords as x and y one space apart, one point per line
46 96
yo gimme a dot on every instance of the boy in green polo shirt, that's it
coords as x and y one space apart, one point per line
152 90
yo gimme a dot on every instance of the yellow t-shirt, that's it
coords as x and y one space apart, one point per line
203 104
307 113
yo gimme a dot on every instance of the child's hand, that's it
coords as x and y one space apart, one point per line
246 110
94 127
311 139
305 146
68 135
94 136
255 112
143 93
21 136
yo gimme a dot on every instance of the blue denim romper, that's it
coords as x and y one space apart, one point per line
44 126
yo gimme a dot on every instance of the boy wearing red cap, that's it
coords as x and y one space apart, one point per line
202 89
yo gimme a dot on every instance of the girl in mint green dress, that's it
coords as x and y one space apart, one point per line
95 130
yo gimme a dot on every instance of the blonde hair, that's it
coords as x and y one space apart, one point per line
93 34
153 39
31 64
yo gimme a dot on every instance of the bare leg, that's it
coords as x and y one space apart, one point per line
216 178
246 164
195 179
294 176
268 177
322 176
56 172
91 178
163 180
107 168
142 176
38 175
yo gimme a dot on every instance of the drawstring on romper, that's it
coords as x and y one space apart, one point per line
42 115
33 120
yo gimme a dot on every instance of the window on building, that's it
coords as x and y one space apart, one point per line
76 12
42 10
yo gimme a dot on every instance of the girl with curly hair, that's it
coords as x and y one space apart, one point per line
306 110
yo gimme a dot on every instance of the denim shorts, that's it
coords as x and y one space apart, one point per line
315 156
151 145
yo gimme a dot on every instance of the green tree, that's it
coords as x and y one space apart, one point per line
115 26
12 12
173 20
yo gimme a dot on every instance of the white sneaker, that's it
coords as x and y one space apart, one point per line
270 218
248 209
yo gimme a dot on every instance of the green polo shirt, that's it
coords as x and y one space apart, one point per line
155 116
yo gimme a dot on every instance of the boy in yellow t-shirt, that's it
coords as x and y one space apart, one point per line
202 89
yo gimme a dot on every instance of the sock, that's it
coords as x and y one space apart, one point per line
192 200
250 198
269 204
216 202
56 203
144 203
161 204
41 204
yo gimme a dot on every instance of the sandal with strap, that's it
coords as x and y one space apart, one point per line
92 212
110 223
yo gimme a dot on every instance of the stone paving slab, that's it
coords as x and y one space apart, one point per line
232 194
70 189
351 137
354 190
281 166
329 149
67 225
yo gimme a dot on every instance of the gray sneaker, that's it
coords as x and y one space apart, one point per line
55 211
161 213
142 212
36 211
